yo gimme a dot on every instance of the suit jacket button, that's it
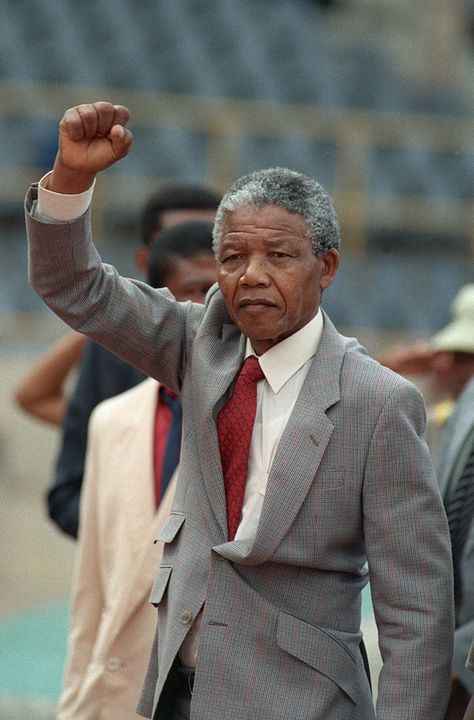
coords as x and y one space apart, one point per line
185 617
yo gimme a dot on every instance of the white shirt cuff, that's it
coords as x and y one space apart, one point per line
62 208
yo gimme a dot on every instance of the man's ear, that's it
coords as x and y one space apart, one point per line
329 269
141 259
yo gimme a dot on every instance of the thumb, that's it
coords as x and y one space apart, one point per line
121 139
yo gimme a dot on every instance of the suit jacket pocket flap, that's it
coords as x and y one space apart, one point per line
321 650
169 530
160 584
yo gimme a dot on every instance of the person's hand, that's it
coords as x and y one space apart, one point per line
91 138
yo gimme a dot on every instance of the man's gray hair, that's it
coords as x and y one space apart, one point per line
290 190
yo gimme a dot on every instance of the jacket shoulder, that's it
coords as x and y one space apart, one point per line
371 375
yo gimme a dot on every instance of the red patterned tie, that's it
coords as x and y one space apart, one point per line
234 429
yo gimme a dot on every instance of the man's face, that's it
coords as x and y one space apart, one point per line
190 278
451 371
268 274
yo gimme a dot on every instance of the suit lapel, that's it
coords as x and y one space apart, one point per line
299 452
227 364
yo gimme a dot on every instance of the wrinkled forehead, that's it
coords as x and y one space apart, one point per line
269 219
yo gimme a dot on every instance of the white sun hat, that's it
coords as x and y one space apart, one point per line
458 335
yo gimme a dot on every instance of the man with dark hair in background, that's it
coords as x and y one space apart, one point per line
103 374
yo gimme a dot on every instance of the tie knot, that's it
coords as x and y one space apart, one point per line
251 370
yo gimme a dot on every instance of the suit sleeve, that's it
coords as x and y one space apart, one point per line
410 565
144 326
87 600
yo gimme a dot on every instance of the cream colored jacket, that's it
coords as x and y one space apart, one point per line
112 623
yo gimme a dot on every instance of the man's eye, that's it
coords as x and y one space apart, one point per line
233 257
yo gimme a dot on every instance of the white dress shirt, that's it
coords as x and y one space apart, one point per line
285 367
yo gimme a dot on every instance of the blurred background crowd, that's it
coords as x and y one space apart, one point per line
374 98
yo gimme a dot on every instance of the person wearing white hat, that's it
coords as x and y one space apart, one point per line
453 360
453 368
446 359
458 335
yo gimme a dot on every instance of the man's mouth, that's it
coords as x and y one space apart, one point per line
249 303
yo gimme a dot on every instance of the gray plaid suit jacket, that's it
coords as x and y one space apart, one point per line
351 482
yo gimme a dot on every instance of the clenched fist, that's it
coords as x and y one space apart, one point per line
91 138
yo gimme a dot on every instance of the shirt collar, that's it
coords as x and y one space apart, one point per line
286 357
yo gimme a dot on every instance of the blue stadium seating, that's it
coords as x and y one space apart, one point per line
282 51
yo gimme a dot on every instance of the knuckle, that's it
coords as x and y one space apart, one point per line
103 106
85 108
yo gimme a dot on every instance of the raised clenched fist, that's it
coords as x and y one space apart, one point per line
91 138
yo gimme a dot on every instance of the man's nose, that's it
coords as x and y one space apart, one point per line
255 272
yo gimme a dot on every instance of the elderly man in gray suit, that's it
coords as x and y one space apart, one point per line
302 459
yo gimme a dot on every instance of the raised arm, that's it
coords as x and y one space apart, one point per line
145 327
41 391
